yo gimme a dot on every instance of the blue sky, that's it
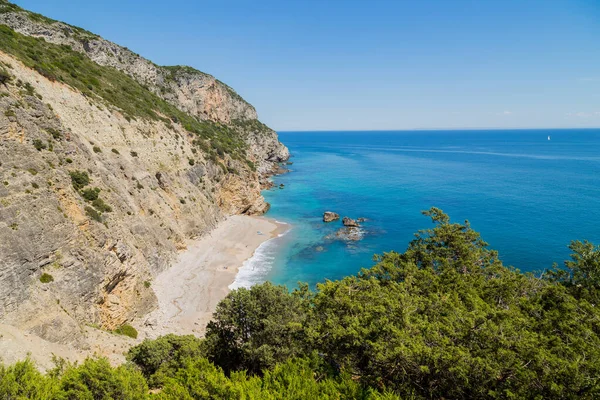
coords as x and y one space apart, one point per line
369 65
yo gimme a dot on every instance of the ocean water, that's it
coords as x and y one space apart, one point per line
527 195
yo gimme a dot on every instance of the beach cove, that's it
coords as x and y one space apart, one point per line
189 291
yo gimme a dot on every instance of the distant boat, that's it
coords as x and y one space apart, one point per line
548 137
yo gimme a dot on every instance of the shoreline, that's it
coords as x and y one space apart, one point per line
190 290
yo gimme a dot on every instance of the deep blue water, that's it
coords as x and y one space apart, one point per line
529 197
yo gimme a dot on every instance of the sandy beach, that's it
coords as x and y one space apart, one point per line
190 290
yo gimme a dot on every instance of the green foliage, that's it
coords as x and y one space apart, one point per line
22 380
39 145
101 206
115 151
97 149
96 379
93 214
90 194
56 135
255 328
79 179
5 77
127 330
133 153
164 356
46 278
581 274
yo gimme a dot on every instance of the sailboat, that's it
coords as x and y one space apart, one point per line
548 137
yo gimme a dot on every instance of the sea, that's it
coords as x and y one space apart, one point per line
528 192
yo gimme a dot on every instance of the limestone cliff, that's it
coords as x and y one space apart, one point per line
108 163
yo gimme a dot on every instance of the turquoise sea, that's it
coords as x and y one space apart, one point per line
527 195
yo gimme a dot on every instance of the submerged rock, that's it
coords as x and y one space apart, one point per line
361 219
348 234
350 222
329 216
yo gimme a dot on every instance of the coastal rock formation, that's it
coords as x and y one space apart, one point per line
330 216
349 222
347 234
99 189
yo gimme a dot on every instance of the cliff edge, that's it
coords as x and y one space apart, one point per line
108 164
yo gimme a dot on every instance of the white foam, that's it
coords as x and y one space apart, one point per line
255 269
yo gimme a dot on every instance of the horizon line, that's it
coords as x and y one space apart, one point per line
435 129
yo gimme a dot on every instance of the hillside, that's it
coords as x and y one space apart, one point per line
108 164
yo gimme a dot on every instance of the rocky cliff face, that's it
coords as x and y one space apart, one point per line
192 91
93 202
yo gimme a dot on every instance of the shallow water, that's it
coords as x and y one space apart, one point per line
528 196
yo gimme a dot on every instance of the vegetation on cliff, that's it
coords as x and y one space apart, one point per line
116 89
444 319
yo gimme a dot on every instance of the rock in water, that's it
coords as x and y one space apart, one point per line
350 222
329 216
347 234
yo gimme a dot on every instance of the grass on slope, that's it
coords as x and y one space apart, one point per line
113 87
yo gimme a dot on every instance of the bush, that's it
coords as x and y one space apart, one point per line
93 214
164 355
127 330
133 153
97 149
191 161
5 77
101 206
69 161
115 151
39 145
79 179
90 194
46 278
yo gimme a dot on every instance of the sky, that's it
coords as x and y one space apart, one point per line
373 65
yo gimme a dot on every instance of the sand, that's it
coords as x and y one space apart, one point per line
189 291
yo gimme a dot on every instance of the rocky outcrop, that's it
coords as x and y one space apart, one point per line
329 216
349 222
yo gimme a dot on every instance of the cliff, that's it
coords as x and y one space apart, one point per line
108 163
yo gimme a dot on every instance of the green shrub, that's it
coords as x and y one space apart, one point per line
97 149
90 194
79 179
56 135
133 153
5 77
46 278
35 185
10 113
68 160
101 206
32 171
115 151
191 161
39 145
127 330
93 214
182 201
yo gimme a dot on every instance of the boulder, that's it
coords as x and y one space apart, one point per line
349 222
361 219
329 216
